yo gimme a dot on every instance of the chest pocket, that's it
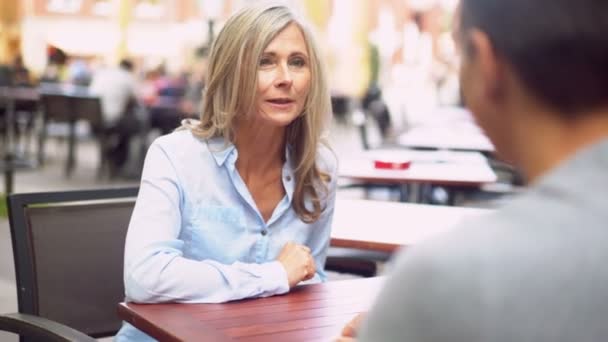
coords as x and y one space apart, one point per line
214 231
219 214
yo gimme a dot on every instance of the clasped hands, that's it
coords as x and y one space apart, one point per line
300 266
298 263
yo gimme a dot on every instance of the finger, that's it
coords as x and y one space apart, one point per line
312 267
305 248
350 329
308 275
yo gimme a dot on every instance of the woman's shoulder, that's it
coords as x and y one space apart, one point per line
181 139
181 146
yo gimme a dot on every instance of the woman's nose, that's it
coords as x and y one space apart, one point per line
284 77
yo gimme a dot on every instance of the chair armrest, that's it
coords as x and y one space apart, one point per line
40 328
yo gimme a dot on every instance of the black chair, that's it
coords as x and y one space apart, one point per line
355 261
70 108
376 114
55 108
68 250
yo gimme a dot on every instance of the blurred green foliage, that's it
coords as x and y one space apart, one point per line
3 210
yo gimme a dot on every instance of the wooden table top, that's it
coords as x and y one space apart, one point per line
386 226
19 93
434 167
308 313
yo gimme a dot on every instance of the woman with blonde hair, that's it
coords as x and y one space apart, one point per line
240 203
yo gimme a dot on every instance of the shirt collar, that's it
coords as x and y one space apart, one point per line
220 149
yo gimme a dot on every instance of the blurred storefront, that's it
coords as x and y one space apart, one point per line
395 44
148 30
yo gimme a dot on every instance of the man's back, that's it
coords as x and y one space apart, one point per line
534 271
116 87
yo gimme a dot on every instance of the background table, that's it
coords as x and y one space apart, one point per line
387 226
435 167
9 96
462 136
448 128
446 168
308 313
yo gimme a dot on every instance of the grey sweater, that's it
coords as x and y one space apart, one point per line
533 271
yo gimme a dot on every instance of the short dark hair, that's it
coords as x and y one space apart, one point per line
126 65
559 48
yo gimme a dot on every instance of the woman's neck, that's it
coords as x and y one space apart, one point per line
261 148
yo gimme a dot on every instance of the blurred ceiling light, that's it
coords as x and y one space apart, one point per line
64 6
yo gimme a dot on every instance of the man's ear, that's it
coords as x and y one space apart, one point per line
489 65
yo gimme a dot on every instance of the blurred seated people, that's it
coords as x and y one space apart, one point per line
55 71
79 73
20 74
147 91
17 75
535 76
239 204
116 87
163 96
191 102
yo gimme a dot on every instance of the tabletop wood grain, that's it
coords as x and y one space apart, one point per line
308 313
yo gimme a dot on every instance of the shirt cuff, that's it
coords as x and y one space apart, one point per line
275 278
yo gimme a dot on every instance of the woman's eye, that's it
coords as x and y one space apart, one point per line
298 62
265 61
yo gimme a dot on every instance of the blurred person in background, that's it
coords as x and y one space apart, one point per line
163 97
20 74
55 70
117 87
534 74
239 204
193 96
78 72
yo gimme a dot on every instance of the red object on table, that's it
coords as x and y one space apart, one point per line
392 164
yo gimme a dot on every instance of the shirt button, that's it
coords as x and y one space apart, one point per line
264 232
288 178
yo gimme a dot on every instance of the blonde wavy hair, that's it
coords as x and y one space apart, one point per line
231 87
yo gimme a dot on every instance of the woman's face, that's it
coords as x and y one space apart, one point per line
283 78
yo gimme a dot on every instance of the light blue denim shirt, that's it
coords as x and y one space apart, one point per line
196 235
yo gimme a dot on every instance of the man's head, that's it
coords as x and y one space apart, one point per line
550 53
126 65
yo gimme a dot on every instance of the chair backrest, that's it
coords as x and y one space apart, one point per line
88 108
68 249
72 107
56 107
376 124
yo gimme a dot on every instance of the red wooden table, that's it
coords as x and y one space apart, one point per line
308 313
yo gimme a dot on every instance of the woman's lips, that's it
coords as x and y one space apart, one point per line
281 103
